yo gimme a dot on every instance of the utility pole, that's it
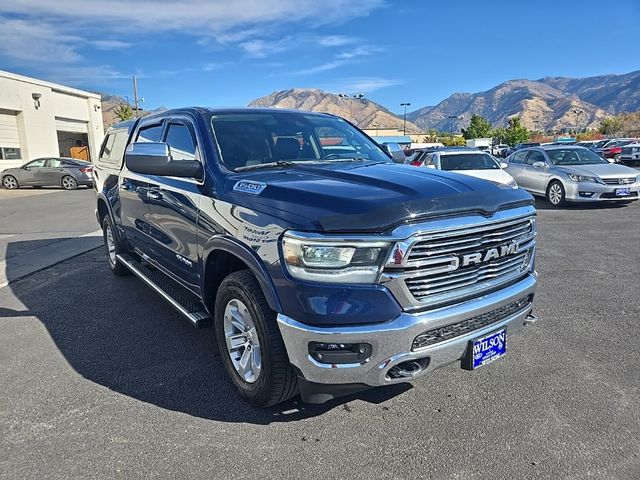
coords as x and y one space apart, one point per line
135 96
404 118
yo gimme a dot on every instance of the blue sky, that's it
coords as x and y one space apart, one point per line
213 52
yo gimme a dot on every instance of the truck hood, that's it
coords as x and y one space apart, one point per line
369 197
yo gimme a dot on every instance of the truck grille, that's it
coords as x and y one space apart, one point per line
437 269
619 181
472 324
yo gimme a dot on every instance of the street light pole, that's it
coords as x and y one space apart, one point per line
404 118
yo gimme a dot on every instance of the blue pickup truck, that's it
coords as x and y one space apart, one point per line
324 267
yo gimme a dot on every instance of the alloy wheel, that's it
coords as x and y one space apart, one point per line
555 194
69 183
243 345
111 245
10 183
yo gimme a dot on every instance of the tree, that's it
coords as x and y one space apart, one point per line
124 112
479 127
498 134
611 125
515 132
452 141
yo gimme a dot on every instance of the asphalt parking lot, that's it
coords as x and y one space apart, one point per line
101 379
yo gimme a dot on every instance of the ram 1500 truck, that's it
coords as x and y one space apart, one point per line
323 266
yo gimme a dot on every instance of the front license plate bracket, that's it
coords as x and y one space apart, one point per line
486 349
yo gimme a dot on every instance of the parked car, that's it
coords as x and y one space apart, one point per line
573 174
395 151
500 150
467 161
68 173
417 157
630 154
613 148
322 273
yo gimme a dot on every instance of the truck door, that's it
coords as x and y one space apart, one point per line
134 188
173 205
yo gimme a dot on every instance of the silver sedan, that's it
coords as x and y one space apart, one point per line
572 174
67 173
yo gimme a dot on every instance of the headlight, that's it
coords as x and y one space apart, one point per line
333 261
583 178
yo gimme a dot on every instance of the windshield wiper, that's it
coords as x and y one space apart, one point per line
258 166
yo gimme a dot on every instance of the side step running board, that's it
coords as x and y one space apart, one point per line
178 297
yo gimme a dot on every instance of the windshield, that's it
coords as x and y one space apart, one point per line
251 139
468 161
574 156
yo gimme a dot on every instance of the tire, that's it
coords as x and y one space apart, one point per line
272 379
10 182
69 183
556 194
112 248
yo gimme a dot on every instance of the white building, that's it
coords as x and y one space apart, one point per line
42 119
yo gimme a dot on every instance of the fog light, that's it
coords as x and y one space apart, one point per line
586 194
339 353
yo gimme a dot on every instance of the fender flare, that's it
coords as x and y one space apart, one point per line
102 197
249 257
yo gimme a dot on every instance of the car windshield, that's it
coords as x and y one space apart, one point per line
468 161
574 156
254 139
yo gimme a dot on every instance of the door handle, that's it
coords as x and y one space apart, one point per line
154 195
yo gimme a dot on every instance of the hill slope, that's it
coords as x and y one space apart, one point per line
548 103
362 112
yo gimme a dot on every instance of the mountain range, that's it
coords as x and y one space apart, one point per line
549 103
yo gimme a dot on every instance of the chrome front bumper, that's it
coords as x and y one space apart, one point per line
392 341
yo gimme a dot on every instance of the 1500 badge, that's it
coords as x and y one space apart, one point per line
249 186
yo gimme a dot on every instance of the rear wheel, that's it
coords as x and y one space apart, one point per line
69 183
9 182
556 194
112 249
250 343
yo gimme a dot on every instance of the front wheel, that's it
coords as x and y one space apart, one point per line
556 194
10 182
250 343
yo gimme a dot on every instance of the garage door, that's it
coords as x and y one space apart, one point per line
68 125
9 130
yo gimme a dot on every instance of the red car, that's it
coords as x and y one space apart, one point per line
613 149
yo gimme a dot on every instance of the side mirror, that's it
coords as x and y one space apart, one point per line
154 158
503 165
539 164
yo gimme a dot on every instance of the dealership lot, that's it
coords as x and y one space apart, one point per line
95 387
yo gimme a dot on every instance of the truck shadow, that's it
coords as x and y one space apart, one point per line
116 332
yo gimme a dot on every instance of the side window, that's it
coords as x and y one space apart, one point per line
152 133
535 156
181 142
519 157
37 163
107 146
119 145
428 160
54 163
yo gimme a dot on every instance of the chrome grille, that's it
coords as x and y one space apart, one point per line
454 330
436 269
619 181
